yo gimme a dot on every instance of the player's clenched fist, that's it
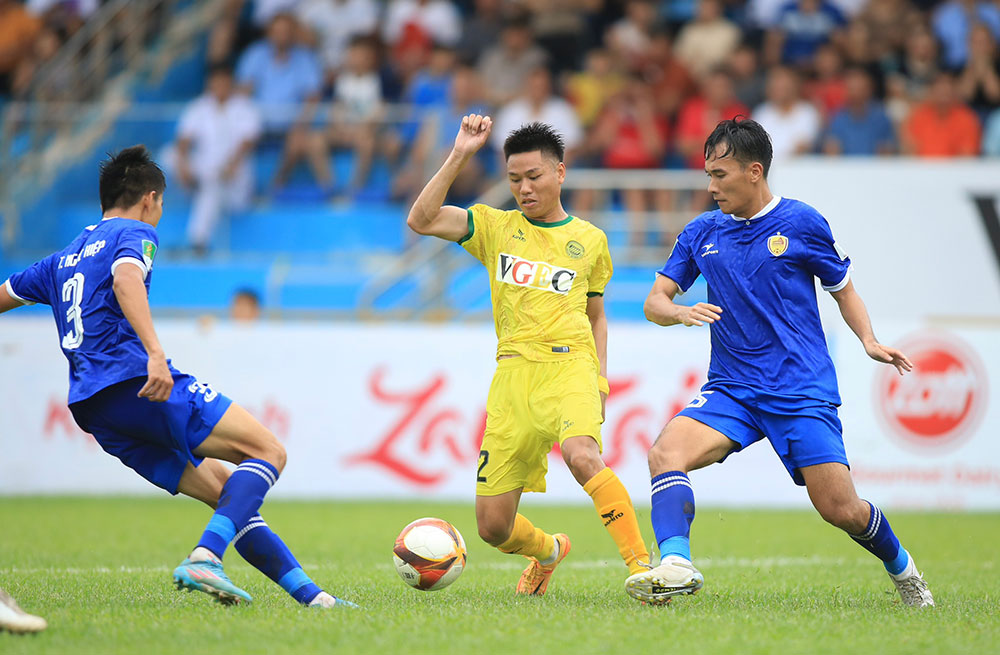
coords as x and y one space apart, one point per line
699 314
473 133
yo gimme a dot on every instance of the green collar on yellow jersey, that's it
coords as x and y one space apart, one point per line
546 224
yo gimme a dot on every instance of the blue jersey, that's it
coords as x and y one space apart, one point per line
101 346
760 272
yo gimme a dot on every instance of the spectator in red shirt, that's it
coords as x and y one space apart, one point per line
828 90
942 126
630 134
698 117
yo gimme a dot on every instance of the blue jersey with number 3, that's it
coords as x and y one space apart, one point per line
101 346
761 272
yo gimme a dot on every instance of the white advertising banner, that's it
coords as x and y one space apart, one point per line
398 411
924 234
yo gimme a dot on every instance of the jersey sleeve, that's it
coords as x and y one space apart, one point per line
824 258
137 246
600 273
680 266
32 285
478 238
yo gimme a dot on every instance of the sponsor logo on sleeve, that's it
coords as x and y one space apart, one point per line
148 253
537 275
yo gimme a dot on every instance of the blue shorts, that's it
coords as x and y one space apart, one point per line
156 440
802 431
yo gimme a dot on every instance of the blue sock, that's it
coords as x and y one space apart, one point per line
672 513
241 497
268 554
879 540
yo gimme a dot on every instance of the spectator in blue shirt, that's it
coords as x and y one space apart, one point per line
802 27
285 81
861 126
954 19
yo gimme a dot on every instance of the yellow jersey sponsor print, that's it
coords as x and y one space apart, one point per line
540 277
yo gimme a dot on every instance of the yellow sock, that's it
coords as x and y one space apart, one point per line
525 539
615 508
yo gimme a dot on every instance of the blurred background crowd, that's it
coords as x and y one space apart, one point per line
355 101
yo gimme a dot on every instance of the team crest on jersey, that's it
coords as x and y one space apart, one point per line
575 249
777 245
148 252
536 275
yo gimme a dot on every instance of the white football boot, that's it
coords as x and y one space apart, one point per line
912 588
675 576
15 619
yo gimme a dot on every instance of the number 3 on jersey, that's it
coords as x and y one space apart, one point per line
72 292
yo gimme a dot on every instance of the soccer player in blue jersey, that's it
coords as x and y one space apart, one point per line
770 376
167 426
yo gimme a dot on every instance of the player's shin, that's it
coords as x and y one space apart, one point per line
879 539
613 505
525 539
265 550
241 498
672 513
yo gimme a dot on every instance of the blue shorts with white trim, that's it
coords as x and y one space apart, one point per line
156 440
802 431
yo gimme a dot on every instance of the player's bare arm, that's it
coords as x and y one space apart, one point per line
661 309
855 314
428 216
130 290
599 326
7 303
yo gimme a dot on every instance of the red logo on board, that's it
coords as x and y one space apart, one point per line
942 400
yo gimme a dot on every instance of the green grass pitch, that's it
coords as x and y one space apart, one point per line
99 570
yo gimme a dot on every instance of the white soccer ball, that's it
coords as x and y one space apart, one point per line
429 554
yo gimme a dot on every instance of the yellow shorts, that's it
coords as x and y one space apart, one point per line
531 406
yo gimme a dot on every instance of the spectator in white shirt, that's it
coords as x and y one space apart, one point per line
354 120
793 123
332 24
538 104
438 19
215 138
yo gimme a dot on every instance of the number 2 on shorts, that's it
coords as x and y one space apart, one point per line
484 457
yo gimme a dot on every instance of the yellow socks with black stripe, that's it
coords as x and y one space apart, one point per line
614 506
525 539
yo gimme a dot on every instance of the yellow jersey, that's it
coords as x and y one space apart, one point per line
541 275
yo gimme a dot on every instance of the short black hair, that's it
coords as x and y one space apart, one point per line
745 140
535 136
248 293
128 175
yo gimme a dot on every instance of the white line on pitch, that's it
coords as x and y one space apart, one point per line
500 564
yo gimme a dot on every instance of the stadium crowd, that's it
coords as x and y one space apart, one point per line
631 84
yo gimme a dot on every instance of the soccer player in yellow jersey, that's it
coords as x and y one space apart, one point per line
547 274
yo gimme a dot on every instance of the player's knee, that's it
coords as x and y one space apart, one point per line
494 532
664 456
583 464
270 450
843 516
278 455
